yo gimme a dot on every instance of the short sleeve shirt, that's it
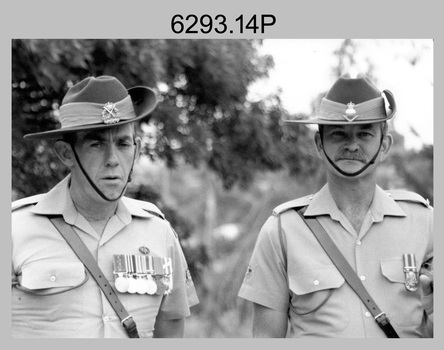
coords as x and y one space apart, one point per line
54 296
290 272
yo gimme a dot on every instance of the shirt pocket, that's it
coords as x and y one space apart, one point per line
403 307
50 276
48 296
311 287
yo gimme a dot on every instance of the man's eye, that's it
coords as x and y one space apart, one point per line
96 145
125 145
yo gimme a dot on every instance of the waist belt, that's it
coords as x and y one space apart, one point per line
90 263
348 273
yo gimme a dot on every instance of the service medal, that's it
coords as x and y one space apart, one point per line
141 286
151 286
411 281
132 285
122 284
161 287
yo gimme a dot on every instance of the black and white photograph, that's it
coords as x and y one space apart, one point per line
186 168
227 174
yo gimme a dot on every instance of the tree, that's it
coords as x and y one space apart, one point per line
203 115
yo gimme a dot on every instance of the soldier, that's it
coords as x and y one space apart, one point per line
386 237
126 241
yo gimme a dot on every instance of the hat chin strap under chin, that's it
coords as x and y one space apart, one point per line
372 161
100 193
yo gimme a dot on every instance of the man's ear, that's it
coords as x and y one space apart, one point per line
318 142
64 152
387 143
138 142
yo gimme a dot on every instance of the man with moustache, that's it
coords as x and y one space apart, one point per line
385 236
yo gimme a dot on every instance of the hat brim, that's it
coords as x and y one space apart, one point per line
338 122
321 121
144 101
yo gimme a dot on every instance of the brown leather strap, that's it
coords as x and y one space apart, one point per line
90 263
347 271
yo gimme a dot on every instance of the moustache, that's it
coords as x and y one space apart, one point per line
351 156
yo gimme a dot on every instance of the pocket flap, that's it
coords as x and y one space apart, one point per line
393 270
52 273
316 278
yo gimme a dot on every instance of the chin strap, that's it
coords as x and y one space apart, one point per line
93 185
372 161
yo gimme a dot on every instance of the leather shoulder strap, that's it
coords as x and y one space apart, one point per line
90 263
349 274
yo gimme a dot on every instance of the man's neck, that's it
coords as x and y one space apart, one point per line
93 211
353 197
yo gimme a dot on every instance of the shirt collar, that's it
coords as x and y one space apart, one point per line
382 205
323 204
58 202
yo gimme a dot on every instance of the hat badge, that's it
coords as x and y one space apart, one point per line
350 111
109 113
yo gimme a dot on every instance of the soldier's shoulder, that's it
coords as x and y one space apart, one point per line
146 206
410 197
293 204
27 201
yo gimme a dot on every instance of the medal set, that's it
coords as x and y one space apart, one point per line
411 281
143 274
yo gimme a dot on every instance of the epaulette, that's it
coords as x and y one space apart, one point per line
407 196
20 203
147 206
295 203
152 209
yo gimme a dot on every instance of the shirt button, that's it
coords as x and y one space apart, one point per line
362 278
106 318
358 242
367 314
316 282
52 278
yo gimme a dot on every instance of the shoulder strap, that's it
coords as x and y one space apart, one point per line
349 274
407 196
90 263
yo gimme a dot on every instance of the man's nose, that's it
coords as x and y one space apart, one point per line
111 155
352 143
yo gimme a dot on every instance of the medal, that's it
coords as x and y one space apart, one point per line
122 284
161 287
157 266
120 270
411 281
140 285
139 282
132 284
151 286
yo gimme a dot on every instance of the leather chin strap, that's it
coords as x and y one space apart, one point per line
372 161
100 193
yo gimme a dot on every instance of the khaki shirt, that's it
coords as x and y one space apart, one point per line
291 273
43 263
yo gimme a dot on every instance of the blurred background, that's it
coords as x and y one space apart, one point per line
217 157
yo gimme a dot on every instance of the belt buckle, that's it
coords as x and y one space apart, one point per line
382 318
129 317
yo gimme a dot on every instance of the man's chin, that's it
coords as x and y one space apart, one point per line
113 195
